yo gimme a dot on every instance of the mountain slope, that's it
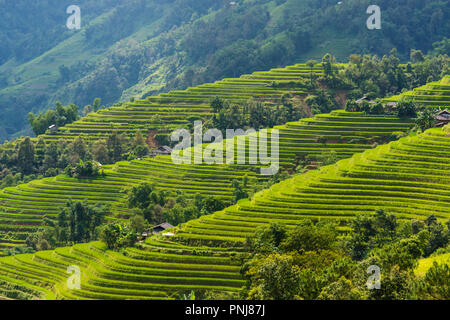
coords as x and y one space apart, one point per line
433 94
172 110
136 48
410 176
22 208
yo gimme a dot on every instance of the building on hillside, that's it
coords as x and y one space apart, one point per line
53 128
442 118
164 150
390 106
161 227
365 98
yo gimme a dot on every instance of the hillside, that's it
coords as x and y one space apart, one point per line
425 264
409 178
22 208
169 111
433 94
137 48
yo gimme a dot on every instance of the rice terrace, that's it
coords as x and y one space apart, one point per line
224 151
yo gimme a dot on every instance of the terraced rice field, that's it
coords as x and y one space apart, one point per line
409 177
169 111
153 272
425 264
433 94
22 208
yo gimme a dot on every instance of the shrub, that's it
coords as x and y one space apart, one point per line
83 169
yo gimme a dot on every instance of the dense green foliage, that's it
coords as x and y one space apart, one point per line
83 169
29 160
382 77
311 262
255 115
118 235
59 117
76 222
158 206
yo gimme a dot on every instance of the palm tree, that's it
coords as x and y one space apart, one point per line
425 119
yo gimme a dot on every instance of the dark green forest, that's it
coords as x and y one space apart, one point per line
135 48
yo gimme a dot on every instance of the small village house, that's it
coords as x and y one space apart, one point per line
162 227
53 128
365 98
164 150
442 118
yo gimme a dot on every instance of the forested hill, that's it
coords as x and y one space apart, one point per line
135 48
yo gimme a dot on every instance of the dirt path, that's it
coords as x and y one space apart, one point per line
151 142
341 98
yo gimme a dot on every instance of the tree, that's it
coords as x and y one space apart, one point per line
87 109
43 239
310 64
425 119
351 106
100 151
376 108
396 285
217 104
438 237
139 146
436 283
78 150
238 190
268 238
211 204
115 145
274 277
310 237
442 47
25 156
43 245
138 223
358 242
118 235
96 104
406 108
417 56
385 226
355 59
60 116
77 221
343 289
327 65
140 196
51 156
84 169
